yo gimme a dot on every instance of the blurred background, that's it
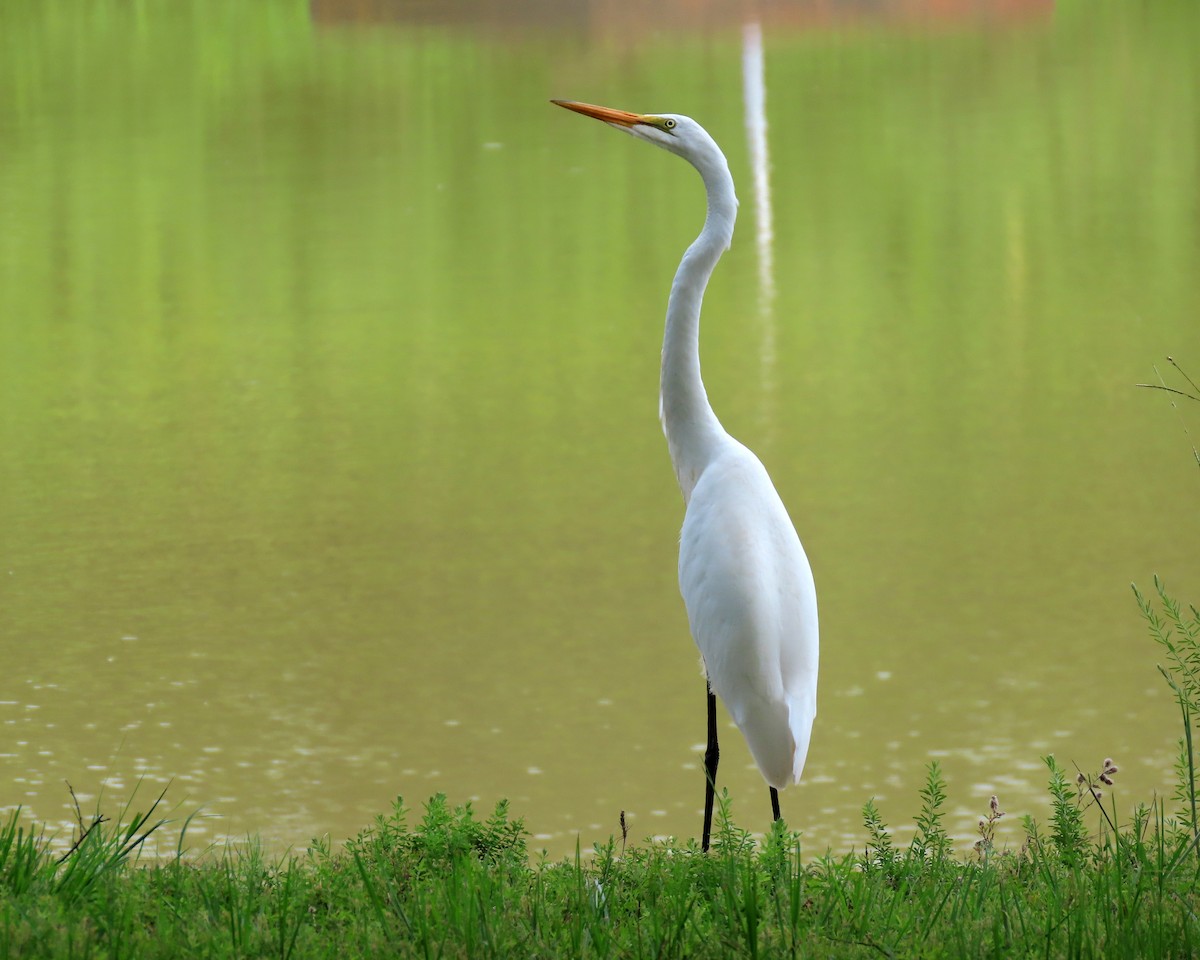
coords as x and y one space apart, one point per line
330 468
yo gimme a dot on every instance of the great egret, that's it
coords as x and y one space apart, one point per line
744 576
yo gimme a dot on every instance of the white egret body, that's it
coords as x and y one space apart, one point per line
744 576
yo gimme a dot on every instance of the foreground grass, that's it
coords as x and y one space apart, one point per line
1086 883
454 886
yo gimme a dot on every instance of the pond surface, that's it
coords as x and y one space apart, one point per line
328 403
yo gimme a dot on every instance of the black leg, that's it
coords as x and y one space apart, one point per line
711 755
775 803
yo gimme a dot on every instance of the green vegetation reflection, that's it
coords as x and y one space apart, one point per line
328 361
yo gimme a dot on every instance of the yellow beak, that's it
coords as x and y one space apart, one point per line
622 118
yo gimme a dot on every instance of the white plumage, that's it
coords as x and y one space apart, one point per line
752 608
744 576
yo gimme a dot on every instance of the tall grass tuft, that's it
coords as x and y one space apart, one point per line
931 842
24 862
1068 833
1177 632
1189 392
101 849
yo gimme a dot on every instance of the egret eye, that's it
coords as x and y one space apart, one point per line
669 124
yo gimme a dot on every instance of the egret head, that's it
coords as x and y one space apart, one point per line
681 135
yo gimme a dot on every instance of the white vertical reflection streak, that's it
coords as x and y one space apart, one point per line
755 98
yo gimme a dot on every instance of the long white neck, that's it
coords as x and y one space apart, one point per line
694 434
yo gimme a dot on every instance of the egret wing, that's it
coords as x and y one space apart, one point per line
751 604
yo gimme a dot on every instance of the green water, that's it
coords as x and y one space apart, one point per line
328 391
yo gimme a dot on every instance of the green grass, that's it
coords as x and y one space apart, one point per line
1092 881
452 885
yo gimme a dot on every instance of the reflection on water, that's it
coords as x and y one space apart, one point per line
328 366
755 95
